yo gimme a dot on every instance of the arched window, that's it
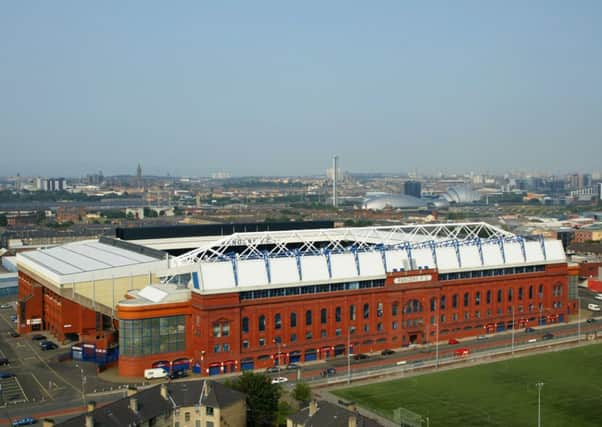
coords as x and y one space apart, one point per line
277 321
477 298
413 306
352 312
488 297
262 323
366 311
394 308
308 317
293 320
531 292
337 314
323 316
454 300
499 295
520 293
433 304
442 302
510 294
245 325
379 309
540 291
466 299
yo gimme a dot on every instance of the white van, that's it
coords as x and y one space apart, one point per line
150 374
593 307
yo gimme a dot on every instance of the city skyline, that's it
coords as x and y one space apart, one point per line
277 90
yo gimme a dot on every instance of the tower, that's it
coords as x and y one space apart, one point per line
335 161
139 175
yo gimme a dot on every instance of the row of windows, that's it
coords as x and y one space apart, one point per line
309 317
488 313
152 336
311 289
557 291
490 273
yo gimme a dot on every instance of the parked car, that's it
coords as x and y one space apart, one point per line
48 345
272 369
279 380
548 336
462 352
180 373
4 361
38 337
5 306
13 317
292 366
4 375
482 337
453 341
154 373
528 330
328 372
593 307
24 421
387 352
598 296
591 320
14 334
360 356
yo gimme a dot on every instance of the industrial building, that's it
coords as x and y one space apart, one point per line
243 297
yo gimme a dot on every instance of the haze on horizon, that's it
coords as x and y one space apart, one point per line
277 88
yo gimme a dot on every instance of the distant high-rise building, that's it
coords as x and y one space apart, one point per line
139 175
412 188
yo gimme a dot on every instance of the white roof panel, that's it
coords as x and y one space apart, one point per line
252 272
343 266
533 251
371 264
153 294
314 268
470 257
554 250
50 262
447 258
217 275
284 270
397 259
492 254
423 257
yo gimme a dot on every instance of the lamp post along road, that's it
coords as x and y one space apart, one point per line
437 345
539 387
513 329
349 355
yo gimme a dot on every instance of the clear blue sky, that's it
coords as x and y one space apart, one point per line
276 88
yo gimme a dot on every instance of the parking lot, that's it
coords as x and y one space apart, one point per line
11 392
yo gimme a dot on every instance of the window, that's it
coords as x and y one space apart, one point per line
293 337
323 316
226 348
442 319
352 312
152 336
454 300
499 296
209 424
216 330
245 325
394 309
293 320
520 294
277 340
308 335
261 342
394 325
209 411
510 294
262 323
466 298
366 311
277 321
323 333
225 329
245 344
308 318
531 292
442 302
338 332
186 416
488 297
433 304
379 327
379 309
337 314
477 298
217 348
466 315
366 327
540 291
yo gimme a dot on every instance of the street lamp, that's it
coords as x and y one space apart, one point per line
349 355
437 345
578 317
539 387
83 377
513 329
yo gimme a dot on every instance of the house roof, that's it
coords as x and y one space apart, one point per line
152 404
329 414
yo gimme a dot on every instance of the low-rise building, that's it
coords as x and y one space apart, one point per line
182 404
323 413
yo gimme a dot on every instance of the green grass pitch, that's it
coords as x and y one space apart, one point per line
498 394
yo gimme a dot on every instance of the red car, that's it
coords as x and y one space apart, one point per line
461 352
453 341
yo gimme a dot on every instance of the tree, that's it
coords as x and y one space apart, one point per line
3 220
262 398
302 392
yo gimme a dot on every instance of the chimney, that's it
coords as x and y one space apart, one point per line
47 422
134 405
132 391
164 394
352 421
91 406
313 407
89 421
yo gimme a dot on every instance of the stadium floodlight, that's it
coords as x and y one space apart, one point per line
539 387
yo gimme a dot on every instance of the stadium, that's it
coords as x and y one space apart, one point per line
228 298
